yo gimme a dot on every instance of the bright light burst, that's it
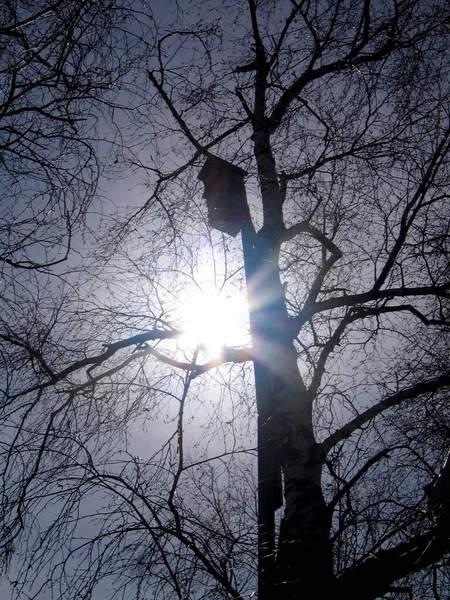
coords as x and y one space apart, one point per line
211 321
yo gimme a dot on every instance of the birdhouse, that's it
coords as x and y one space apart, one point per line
225 195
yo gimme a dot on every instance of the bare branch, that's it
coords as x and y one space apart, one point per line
414 206
425 387
371 296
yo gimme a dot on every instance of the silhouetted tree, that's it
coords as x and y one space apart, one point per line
129 455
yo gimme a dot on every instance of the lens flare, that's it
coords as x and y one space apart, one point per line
211 321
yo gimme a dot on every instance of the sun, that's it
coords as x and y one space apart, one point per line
211 321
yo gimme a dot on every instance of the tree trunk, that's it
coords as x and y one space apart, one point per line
304 547
286 441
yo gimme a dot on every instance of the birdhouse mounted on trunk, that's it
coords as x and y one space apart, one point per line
225 195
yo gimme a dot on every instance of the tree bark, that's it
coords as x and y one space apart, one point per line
286 441
304 542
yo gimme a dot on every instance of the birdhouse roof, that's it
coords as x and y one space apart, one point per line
214 164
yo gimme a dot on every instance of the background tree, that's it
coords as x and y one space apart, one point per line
129 449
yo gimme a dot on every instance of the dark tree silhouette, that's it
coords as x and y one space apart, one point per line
137 462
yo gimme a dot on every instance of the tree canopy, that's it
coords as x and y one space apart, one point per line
189 410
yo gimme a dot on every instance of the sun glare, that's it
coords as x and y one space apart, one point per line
211 321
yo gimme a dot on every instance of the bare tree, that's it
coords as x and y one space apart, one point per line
130 456
61 65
